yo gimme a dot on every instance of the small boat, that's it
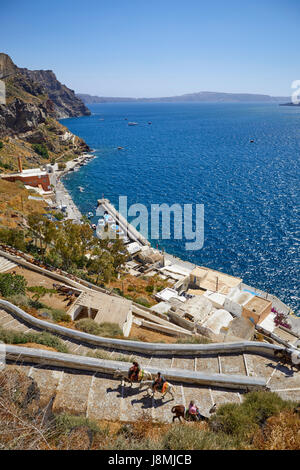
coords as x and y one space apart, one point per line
101 119
251 141
81 188
149 122
90 214
132 123
94 226
120 148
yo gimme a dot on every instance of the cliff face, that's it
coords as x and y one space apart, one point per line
29 117
66 103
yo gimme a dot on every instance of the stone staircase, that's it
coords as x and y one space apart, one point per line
6 265
99 396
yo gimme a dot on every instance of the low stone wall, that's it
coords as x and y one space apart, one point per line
39 356
153 349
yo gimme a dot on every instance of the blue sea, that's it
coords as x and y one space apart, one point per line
201 154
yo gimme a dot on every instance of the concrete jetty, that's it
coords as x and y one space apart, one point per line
129 230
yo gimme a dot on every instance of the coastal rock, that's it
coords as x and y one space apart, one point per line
34 100
66 103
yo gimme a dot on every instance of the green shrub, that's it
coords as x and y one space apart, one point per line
262 405
60 315
58 215
20 300
150 289
1 145
12 284
142 301
87 325
40 291
45 338
6 166
242 420
65 422
93 328
118 291
13 238
110 329
232 419
194 340
98 354
192 437
41 149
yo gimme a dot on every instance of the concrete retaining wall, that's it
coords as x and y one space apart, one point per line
33 356
153 349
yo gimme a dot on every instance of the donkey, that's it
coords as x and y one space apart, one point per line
167 388
144 374
288 356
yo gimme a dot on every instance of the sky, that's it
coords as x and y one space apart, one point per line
154 48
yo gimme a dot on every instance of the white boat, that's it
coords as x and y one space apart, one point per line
81 188
132 123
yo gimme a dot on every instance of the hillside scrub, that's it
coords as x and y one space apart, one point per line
194 340
88 325
47 339
12 284
243 421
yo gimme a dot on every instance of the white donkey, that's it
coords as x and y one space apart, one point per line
144 376
167 388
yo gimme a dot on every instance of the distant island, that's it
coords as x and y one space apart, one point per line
201 97
289 104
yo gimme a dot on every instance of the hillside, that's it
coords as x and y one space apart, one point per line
15 205
28 118
201 97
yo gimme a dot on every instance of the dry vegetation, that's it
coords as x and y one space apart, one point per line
138 288
14 204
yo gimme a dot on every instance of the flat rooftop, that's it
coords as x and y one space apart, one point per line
27 173
210 279
110 309
257 304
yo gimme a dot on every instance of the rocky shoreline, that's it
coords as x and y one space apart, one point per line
62 196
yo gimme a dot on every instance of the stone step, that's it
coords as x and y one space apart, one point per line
186 362
72 394
134 403
232 365
104 399
48 380
208 364
6 265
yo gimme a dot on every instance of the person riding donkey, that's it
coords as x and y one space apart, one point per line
133 373
193 412
158 382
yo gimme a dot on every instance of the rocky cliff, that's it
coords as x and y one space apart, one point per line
66 103
29 115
